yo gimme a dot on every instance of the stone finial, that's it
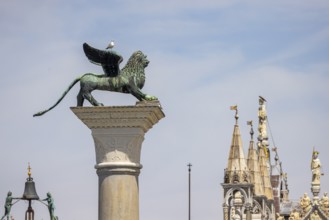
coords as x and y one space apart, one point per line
251 129
226 176
235 178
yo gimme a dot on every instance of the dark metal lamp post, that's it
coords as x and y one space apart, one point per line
189 190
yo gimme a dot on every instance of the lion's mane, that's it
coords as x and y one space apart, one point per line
135 68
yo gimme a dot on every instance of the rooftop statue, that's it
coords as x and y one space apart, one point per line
51 206
324 203
130 79
262 116
294 215
305 204
262 128
8 205
316 168
315 216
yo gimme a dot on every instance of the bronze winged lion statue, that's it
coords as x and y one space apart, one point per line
130 79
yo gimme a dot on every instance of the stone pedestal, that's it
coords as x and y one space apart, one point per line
118 133
315 190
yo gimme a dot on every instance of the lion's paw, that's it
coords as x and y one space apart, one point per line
150 98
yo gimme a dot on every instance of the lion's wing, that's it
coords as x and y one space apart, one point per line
109 60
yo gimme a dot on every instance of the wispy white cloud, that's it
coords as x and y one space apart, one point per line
307 44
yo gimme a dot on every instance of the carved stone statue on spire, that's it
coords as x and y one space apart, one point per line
262 128
316 168
262 116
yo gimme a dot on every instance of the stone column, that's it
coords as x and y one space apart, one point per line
225 209
248 208
118 134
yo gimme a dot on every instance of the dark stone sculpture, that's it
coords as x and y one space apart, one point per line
130 79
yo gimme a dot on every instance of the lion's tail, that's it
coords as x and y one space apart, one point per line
60 99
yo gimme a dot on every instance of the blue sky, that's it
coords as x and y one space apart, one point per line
205 56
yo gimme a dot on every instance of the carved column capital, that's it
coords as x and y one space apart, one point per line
143 115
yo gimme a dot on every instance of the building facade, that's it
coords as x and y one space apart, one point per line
255 185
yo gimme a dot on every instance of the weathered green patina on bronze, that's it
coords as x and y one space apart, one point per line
51 206
8 206
130 79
